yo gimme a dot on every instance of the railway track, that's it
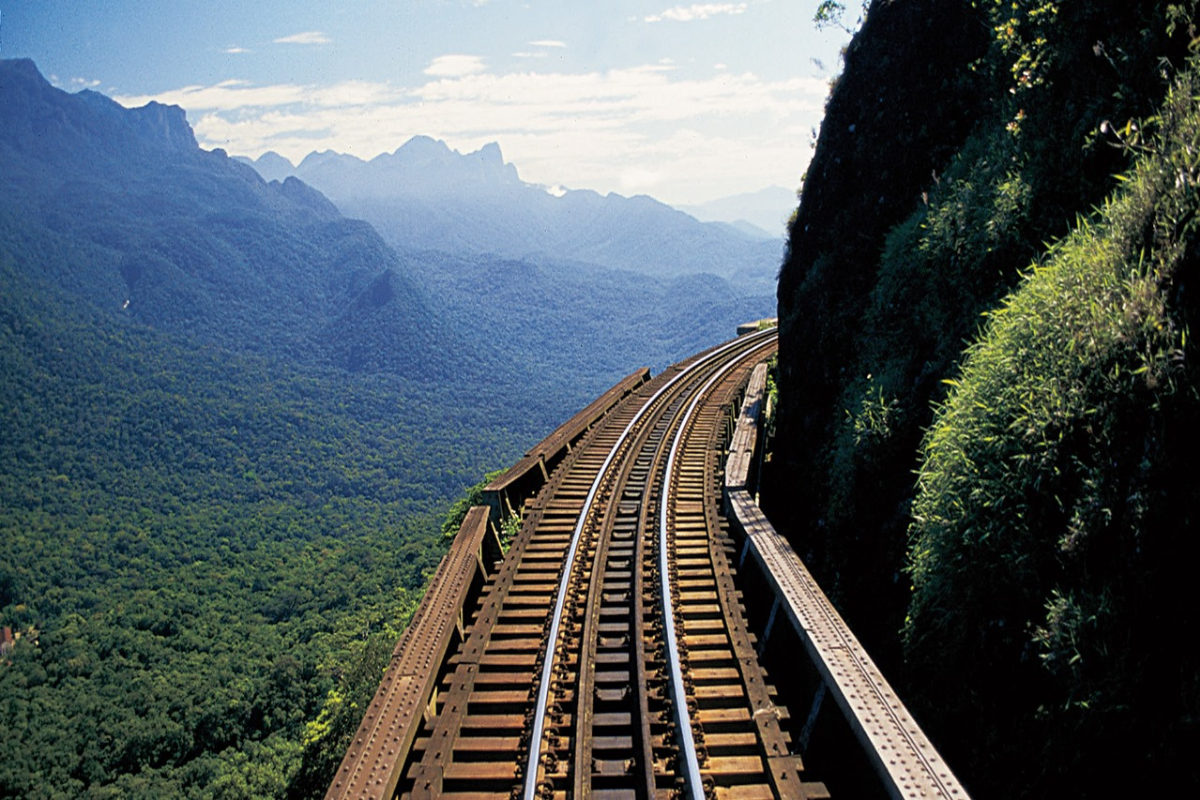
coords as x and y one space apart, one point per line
608 656
608 653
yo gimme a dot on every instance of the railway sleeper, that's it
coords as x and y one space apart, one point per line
727 695
493 701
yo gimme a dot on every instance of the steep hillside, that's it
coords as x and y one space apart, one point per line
1032 567
226 441
187 240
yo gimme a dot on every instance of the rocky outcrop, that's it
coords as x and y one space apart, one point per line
902 106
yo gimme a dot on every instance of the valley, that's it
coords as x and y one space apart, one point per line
233 418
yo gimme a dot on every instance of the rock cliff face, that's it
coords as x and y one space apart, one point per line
41 121
904 103
1002 558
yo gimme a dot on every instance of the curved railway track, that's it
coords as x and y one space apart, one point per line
608 655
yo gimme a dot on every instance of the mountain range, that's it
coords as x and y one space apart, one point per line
426 196
762 213
193 242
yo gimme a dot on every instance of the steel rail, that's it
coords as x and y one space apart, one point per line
539 718
683 722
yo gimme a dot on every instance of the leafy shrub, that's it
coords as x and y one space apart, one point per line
1050 524
460 507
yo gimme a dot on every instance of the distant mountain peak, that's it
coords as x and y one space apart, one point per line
38 118
426 149
490 154
272 157
166 124
422 166
20 68
273 167
423 146
317 158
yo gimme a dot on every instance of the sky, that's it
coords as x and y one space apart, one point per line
686 102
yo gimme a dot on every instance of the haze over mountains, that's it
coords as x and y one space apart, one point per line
765 212
760 214
427 196
193 241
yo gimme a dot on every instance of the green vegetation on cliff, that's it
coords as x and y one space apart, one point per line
1051 552
1051 519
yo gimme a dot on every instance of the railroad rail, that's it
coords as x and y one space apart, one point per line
795 616
610 653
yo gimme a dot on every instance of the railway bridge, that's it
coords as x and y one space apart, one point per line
646 633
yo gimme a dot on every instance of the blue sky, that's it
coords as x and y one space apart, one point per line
683 101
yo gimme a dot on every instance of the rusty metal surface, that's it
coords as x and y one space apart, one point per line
670 606
906 760
743 444
785 770
369 769
475 742
755 757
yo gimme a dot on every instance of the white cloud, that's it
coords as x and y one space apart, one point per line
235 50
697 11
455 66
308 37
640 129
548 43
85 83
638 180
224 96
348 94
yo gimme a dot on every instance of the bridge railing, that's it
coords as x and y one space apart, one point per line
407 694
524 479
904 761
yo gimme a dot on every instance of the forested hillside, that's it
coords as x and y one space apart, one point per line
988 409
196 548
554 319
230 426
231 420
